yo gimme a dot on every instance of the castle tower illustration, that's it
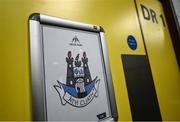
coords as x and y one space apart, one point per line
69 77
87 78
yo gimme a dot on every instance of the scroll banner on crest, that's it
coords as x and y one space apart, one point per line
69 94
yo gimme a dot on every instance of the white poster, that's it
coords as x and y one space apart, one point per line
75 80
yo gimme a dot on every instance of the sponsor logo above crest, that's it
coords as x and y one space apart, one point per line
75 42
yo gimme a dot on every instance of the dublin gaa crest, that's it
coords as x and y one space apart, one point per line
80 89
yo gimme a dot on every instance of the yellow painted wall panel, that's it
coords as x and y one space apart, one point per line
118 18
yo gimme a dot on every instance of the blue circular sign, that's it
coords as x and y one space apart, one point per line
132 42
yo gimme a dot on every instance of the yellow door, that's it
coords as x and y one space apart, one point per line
161 57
